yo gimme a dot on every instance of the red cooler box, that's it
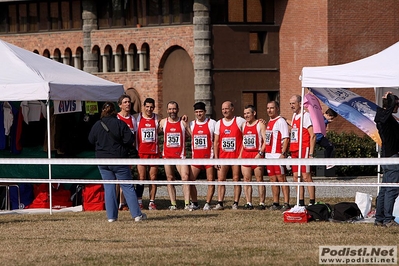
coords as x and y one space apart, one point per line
296 217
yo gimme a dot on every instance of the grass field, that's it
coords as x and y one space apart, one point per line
241 237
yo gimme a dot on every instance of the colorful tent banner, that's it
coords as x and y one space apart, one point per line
351 106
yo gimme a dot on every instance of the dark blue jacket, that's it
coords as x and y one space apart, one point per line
106 146
388 128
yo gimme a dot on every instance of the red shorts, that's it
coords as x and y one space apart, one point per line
249 155
305 154
275 170
202 167
149 156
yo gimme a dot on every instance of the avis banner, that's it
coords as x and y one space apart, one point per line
64 107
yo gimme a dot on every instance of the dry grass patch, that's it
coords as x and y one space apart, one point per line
176 238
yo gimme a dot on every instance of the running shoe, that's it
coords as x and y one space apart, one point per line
207 207
248 206
140 218
275 207
152 206
218 207
194 207
141 206
261 207
285 207
172 208
234 206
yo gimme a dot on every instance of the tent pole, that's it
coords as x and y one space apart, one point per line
49 154
300 148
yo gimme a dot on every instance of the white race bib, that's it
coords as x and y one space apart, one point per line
173 140
147 135
229 144
200 142
249 141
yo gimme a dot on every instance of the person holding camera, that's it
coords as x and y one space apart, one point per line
388 129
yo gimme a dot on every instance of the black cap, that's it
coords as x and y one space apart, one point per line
199 106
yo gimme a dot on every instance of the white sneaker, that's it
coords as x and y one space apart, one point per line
234 206
207 207
111 220
329 166
172 208
194 207
140 218
218 207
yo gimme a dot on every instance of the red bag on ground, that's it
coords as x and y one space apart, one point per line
60 196
93 197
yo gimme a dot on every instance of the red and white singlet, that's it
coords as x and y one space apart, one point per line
147 134
294 136
230 139
130 121
174 140
276 131
251 140
202 138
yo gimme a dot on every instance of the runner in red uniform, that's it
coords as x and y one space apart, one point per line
252 131
175 131
148 148
227 144
276 146
202 135
124 103
308 140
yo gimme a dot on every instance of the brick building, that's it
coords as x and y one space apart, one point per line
245 51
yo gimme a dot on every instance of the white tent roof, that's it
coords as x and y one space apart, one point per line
26 76
379 70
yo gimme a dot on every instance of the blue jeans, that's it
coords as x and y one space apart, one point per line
387 195
118 172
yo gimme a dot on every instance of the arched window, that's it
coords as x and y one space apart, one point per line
78 58
57 55
132 59
97 53
46 53
119 58
145 57
67 57
108 60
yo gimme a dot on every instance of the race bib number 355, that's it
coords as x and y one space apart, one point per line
229 144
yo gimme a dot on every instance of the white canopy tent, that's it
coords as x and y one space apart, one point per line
27 76
379 71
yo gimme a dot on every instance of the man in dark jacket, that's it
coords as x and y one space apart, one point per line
388 128
111 136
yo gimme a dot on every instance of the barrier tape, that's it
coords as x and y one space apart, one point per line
286 161
264 162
